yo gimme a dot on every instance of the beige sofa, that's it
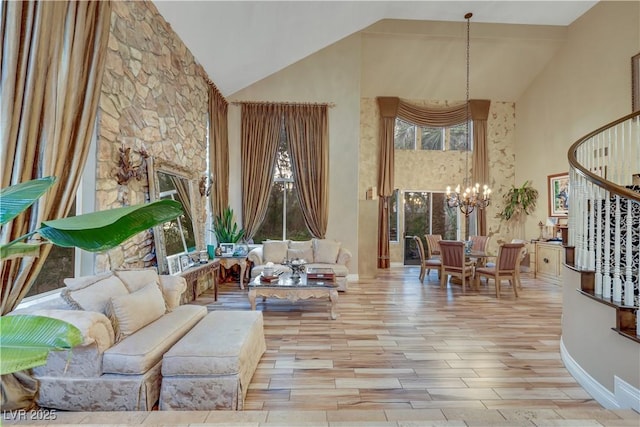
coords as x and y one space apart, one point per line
323 253
129 319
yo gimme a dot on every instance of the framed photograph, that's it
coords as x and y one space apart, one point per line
227 248
173 262
635 83
558 186
185 262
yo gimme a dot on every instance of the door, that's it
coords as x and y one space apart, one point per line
426 212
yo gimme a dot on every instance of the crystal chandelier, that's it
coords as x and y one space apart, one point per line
472 196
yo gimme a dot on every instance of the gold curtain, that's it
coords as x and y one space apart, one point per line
53 57
392 107
219 150
388 107
260 132
480 160
182 187
307 132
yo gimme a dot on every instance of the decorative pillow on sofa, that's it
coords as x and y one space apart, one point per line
75 283
301 250
136 279
96 296
128 313
274 251
325 251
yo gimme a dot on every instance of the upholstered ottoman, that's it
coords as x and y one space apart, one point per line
211 366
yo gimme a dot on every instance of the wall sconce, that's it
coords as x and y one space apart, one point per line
205 185
126 170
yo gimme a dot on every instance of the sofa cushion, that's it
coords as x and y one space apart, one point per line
325 251
136 279
131 312
301 250
96 296
172 289
141 351
274 251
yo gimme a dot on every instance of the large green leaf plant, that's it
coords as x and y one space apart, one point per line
226 229
25 339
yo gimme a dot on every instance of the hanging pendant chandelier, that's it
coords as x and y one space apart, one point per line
468 197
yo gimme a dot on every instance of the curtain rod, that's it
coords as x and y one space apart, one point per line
328 104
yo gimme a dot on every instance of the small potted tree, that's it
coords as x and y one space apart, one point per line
226 229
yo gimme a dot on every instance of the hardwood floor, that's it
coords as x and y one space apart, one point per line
402 353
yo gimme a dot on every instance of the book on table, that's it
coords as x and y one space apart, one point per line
269 279
321 273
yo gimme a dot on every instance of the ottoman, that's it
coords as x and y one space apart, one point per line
211 366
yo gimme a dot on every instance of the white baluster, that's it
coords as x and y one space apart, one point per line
617 281
598 221
606 282
628 284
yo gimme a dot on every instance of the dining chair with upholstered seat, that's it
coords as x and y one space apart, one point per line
507 267
479 244
433 243
427 263
454 263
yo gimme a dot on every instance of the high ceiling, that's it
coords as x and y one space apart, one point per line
241 42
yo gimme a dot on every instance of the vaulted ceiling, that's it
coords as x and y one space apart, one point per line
241 42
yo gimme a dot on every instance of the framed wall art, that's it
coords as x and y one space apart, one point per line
558 186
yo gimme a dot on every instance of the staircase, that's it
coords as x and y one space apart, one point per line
604 218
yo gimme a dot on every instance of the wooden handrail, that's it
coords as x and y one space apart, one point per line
590 176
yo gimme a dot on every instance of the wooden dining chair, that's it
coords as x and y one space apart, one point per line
479 244
507 267
433 243
427 263
454 263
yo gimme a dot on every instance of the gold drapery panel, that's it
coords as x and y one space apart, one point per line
393 107
53 60
308 137
219 149
260 132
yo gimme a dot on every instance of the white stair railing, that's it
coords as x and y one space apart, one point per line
604 212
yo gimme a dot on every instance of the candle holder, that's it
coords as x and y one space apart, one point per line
297 267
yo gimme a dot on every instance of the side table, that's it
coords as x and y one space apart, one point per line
229 261
192 274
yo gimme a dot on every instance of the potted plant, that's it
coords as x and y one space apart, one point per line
519 202
226 229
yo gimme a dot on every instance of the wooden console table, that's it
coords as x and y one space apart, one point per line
192 274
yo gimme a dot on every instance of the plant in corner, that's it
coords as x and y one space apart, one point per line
519 202
226 229
26 339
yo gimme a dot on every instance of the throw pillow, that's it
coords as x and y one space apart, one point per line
75 283
325 251
301 250
274 251
95 297
136 279
131 312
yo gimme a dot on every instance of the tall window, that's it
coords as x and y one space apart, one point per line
413 137
393 216
284 216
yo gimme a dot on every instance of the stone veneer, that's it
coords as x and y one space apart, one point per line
433 171
152 97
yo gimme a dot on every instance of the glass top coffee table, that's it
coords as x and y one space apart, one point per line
294 289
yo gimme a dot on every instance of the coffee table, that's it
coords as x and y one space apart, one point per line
294 289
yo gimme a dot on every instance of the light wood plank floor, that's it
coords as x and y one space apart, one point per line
402 353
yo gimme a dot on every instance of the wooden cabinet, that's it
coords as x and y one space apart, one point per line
549 259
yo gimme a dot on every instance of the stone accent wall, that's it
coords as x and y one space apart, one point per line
153 99
433 171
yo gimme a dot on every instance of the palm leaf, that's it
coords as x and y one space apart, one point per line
100 231
27 340
19 250
17 198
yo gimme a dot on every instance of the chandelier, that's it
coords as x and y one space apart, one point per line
472 196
